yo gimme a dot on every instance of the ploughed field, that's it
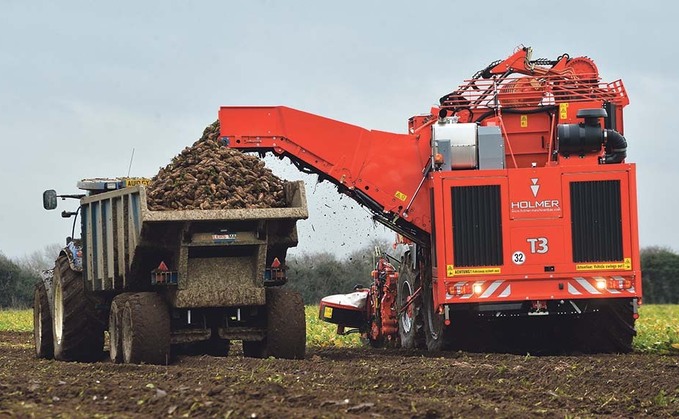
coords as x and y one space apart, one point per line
341 381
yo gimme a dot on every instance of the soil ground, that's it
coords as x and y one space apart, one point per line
340 383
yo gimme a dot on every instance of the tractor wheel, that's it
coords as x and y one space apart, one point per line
434 327
410 324
285 327
115 321
145 329
42 323
77 330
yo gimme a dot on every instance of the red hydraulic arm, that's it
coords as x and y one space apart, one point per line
390 173
386 172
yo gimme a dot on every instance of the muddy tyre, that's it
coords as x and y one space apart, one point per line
434 326
410 323
286 324
115 321
285 327
42 323
77 330
621 329
145 329
610 329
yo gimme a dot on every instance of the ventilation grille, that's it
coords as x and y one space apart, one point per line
596 221
477 226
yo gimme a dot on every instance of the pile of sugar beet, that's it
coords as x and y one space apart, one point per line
209 175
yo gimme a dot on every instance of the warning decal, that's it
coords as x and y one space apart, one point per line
451 271
626 265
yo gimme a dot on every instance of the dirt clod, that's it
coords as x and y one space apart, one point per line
208 175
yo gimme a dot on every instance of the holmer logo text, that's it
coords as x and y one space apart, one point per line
548 204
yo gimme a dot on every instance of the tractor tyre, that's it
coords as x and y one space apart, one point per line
115 321
145 329
285 327
42 323
410 323
77 329
434 326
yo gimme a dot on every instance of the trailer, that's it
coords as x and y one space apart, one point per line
159 279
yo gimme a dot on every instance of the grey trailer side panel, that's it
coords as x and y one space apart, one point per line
220 256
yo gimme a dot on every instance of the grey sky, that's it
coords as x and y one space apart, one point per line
83 83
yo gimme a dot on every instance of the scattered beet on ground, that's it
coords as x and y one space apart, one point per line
340 383
209 175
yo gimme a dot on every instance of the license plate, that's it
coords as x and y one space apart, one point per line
230 237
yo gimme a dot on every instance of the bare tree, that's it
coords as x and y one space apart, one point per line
40 259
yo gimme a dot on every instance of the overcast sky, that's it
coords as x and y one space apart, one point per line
84 83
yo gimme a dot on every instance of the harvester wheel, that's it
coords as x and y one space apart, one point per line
77 330
115 321
42 323
609 329
285 324
410 324
146 329
434 327
617 329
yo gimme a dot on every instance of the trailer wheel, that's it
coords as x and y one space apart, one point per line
115 321
42 323
145 329
77 330
410 324
286 323
285 327
434 327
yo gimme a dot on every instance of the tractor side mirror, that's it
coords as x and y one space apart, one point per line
49 199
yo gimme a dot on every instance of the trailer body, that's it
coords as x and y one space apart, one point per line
216 258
